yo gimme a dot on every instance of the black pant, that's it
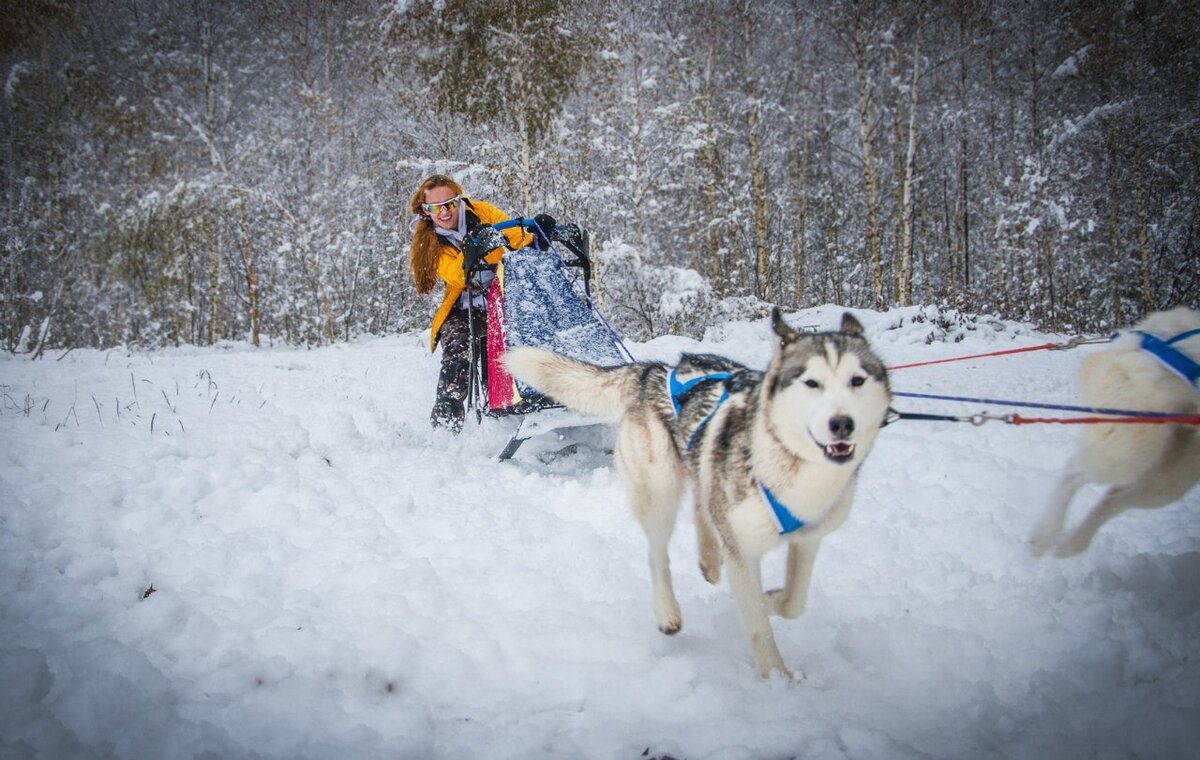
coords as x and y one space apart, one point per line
449 408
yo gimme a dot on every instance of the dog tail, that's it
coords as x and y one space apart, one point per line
587 388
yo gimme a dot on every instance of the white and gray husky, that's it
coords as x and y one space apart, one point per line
1152 368
772 456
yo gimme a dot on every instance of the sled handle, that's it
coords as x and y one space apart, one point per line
518 222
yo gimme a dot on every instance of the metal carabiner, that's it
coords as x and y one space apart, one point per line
982 417
1077 341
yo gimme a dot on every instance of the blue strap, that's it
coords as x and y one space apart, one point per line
676 389
696 433
1171 357
787 522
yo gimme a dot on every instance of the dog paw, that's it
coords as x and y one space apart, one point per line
765 671
777 605
1070 548
711 572
670 619
1041 541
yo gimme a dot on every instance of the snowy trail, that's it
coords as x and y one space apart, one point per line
333 579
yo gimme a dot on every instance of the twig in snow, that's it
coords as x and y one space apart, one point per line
70 412
152 418
168 400
97 403
214 402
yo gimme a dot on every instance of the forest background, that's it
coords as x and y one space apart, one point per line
192 172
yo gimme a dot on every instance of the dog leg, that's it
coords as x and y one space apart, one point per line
789 601
1163 484
710 547
1148 493
1048 530
654 480
656 510
745 583
1110 505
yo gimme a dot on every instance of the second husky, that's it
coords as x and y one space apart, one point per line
772 456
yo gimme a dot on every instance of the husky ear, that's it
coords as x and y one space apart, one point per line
851 326
782 328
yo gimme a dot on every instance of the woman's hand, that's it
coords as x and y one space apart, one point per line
479 244
541 233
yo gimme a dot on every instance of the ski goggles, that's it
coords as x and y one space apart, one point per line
433 209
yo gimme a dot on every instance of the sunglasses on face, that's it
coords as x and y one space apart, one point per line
433 209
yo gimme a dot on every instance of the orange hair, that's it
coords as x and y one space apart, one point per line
426 248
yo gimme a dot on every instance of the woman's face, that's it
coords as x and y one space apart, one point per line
437 204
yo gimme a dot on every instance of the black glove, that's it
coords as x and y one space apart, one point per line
541 234
479 243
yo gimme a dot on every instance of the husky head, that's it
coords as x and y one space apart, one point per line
825 394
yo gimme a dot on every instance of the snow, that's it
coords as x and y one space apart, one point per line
332 579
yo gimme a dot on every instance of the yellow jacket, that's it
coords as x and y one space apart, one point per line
450 262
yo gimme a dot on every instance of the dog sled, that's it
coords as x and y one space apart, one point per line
539 298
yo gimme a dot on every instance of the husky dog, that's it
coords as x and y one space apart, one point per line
1152 368
772 456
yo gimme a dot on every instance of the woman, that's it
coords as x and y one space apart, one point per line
444 219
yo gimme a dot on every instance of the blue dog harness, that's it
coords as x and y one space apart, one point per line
1174 359
787 522
676 389
784 519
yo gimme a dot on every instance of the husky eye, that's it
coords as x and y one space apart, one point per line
812 383
857 381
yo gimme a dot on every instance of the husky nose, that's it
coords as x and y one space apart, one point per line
842 426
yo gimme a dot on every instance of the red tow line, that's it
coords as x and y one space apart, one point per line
1178 419
1042 347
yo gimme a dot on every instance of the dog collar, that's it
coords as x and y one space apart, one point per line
784 519
1172 358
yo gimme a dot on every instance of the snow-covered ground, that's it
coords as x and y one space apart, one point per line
332 579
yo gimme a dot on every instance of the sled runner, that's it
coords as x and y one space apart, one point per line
536 299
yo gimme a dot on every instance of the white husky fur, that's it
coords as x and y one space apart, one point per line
801 429
1144 465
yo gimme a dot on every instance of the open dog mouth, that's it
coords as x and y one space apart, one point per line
839 451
